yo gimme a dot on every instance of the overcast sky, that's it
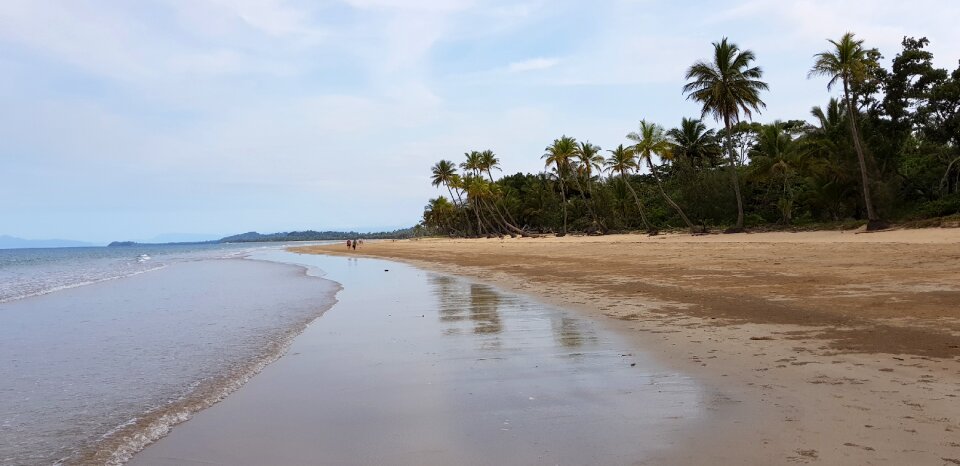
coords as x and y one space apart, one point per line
128 119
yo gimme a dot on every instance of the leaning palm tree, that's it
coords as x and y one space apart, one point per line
622 161
694 142
726 88
847 62
650 141
443 173
559 155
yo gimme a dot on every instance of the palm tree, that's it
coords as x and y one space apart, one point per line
587 159
477 189
727 87
473 162
693 141
830 175
622 161
488 161
777 156
847 62
443 174
439 213
559 154
651 141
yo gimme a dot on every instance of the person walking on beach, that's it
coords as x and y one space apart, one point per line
355 244
349 243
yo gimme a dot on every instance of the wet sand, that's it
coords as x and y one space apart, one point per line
415 367
835 347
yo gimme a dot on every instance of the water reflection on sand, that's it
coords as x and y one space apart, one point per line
416 367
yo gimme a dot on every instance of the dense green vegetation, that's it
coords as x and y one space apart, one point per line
886 148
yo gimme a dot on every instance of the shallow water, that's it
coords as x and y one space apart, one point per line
90 374
31 272
415 367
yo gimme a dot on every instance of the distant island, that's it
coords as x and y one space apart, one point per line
307 235
12 242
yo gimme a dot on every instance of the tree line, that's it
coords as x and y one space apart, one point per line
885 148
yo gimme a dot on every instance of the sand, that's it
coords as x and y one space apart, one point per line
837 347
418 368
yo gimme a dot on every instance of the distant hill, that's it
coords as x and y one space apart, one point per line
310 235
181 238
12 242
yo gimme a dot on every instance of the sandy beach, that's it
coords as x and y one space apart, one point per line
835 347
412 367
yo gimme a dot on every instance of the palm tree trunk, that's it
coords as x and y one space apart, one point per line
458 203
871 214
669 201
476 211
586 202
643 216
503 221
563 197
733 170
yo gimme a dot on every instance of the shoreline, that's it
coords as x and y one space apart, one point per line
840 362
413 367
96 372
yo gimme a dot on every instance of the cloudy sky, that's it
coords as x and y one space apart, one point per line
129 119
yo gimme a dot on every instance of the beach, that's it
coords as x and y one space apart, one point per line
832 347
412 367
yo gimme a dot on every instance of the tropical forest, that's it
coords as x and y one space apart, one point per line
882 148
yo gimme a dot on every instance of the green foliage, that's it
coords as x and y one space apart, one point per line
891 138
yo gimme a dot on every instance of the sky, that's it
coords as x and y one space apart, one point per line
127 120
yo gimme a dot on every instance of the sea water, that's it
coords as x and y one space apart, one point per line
103 349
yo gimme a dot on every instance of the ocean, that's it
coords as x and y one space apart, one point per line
103 349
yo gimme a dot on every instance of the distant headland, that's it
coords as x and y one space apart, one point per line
307 235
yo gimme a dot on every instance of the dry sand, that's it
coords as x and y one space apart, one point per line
843 347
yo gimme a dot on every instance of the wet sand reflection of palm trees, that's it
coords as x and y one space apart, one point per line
569 332
480 304
485 309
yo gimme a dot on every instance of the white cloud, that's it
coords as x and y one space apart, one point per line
533 64
297 104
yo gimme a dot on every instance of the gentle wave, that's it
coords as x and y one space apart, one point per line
120 444
75 285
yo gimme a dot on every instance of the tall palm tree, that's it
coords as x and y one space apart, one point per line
847 62
559 155
693 141
727 87
473 162
622 161
650 141
488 161
587 159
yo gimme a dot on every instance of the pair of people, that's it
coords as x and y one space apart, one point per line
353 243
